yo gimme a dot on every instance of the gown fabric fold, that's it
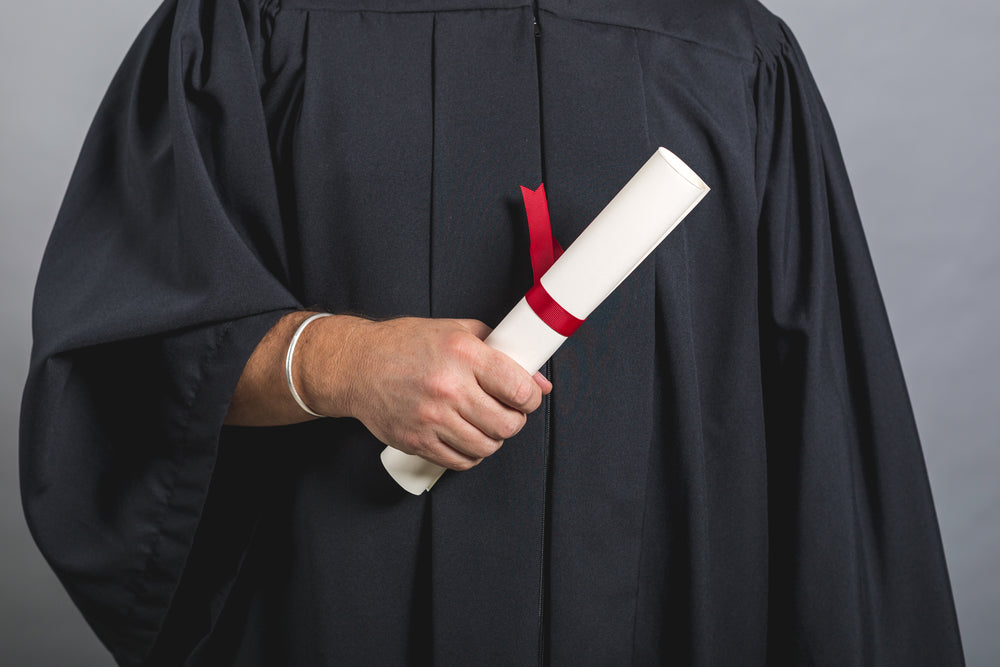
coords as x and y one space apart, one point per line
727 472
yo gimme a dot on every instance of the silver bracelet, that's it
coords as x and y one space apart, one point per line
288 361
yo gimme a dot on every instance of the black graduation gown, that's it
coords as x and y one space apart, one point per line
727 472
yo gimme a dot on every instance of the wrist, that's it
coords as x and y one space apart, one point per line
290 357
325 365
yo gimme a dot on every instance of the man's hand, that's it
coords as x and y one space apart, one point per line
429 387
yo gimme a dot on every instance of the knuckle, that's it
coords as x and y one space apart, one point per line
524 393
411 443
427 414
460 344
444 386
487 447
464 464
512 425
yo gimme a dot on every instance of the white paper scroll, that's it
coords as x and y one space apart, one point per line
641 215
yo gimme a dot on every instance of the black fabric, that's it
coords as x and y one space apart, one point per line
728 471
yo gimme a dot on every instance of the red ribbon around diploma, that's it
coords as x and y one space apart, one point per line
545 250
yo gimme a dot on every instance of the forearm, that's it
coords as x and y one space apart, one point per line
262 396
429 387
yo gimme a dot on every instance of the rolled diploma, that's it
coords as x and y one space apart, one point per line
630 227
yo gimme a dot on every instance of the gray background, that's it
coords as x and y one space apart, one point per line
914 89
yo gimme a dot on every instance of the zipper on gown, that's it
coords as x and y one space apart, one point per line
547 416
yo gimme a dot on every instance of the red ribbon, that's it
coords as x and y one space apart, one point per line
544 250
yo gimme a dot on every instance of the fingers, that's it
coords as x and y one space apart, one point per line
451 458
433 388
466 439
543 383
458 397
503 379
451 442
495 420
440 450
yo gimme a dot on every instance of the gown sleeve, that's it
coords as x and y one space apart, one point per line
857 569
164 270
